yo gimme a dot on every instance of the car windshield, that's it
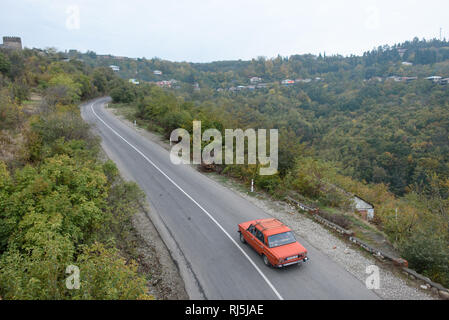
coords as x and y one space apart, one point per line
281 239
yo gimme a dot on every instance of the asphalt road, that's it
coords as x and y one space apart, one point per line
198 218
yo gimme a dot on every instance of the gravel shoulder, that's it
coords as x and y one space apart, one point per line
394 285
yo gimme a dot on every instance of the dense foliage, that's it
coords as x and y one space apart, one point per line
59 204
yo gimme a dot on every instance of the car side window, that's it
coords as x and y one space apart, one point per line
252 229
259 235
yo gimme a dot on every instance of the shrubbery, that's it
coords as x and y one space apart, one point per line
64 205
60 205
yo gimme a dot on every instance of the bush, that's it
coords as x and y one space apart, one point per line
338 219
68 125
10 116
5 64
428 253
268 183
123 93
106 275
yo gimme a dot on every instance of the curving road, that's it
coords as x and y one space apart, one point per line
197 219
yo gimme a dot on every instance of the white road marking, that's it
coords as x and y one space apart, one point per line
194 201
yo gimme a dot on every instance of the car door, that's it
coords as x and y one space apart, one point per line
259 241
251 236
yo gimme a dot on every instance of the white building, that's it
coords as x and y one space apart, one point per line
114 68
434 78
364 208
287 82
157 72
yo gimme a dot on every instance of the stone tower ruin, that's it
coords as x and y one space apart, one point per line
12 43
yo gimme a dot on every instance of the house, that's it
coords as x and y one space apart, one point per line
255 80
395 78
405 79
157 72
434 78
405 63
114 68
134 81
261 85
307 80
378 79
167 83
409 79
287 82
444 81
401 52
363 207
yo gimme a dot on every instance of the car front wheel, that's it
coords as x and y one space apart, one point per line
266 261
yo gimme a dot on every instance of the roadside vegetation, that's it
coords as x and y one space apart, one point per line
60 203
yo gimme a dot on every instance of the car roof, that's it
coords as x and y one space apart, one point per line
271 226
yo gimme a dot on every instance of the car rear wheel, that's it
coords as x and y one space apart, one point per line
242 238
266 261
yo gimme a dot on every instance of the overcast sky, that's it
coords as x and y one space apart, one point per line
208 30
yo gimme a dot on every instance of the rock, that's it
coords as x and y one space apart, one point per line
334 247
434 290
424 287
347 251
412 277
378 256
400 262
444 294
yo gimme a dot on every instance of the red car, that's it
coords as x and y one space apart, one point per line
274 241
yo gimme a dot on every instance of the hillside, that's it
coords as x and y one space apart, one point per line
65 213
371 125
